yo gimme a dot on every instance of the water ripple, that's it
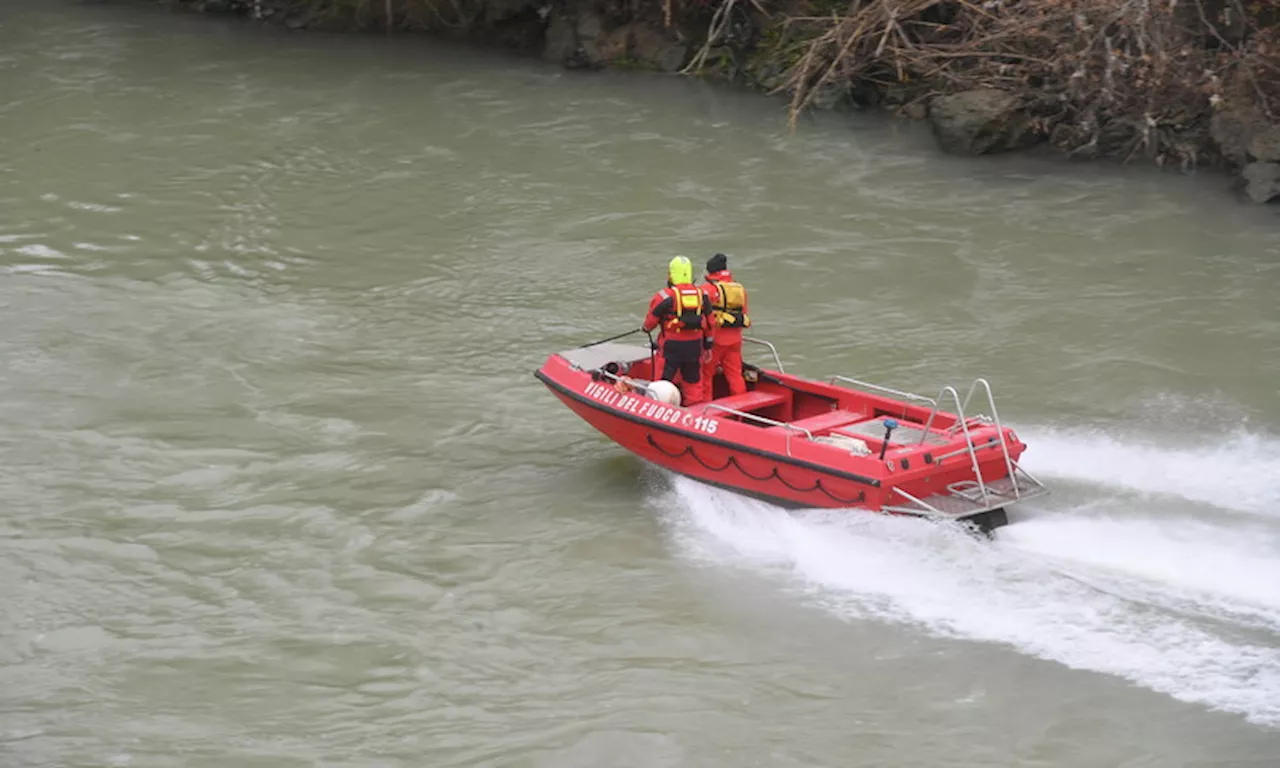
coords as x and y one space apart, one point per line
281 489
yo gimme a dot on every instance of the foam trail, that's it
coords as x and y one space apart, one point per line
1240 472
954 585
1231 574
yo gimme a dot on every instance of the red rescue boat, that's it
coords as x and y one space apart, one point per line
797 442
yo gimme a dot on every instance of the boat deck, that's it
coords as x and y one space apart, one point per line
904 434
598 355
960 505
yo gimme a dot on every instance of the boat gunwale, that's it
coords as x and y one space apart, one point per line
555 384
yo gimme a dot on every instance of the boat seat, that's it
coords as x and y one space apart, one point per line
749 402
828 420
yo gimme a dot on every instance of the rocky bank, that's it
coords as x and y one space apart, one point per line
1182 83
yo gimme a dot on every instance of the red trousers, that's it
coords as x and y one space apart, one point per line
727 357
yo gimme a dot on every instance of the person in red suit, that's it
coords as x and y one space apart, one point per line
728 300
684 315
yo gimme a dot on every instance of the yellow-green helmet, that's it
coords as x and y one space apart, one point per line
680 270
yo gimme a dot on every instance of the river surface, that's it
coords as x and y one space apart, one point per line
279 488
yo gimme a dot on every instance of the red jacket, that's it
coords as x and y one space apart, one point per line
724 335
662 311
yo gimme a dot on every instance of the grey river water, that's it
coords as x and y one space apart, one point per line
279 488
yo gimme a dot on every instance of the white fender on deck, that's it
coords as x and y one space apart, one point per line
663 391
852 444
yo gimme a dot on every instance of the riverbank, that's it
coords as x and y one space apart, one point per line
1190 85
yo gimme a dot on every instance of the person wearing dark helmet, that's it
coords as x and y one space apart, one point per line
685 317
728 300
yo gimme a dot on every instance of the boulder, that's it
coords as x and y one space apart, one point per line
651 46
1233 132
765 74
581 41
602 47
1262 181
914 111
561 40
1264 146
1116 138
831 97
586 41
588 26
981 122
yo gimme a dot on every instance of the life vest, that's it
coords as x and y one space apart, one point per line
686 309
727 306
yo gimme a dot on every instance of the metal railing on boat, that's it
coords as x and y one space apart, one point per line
962 424
935 402
762 420
776 359
886 390
928 425
959 490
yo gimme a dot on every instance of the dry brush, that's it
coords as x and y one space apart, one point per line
1138 76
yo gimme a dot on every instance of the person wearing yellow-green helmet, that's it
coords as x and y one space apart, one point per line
684 315
679 271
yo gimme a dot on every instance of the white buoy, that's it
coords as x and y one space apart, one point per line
663 391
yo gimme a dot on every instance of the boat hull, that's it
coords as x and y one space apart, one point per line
759 473
800 443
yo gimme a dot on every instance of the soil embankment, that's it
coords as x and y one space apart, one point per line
1182 83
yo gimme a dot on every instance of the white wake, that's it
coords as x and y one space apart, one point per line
1240 471
1187 606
